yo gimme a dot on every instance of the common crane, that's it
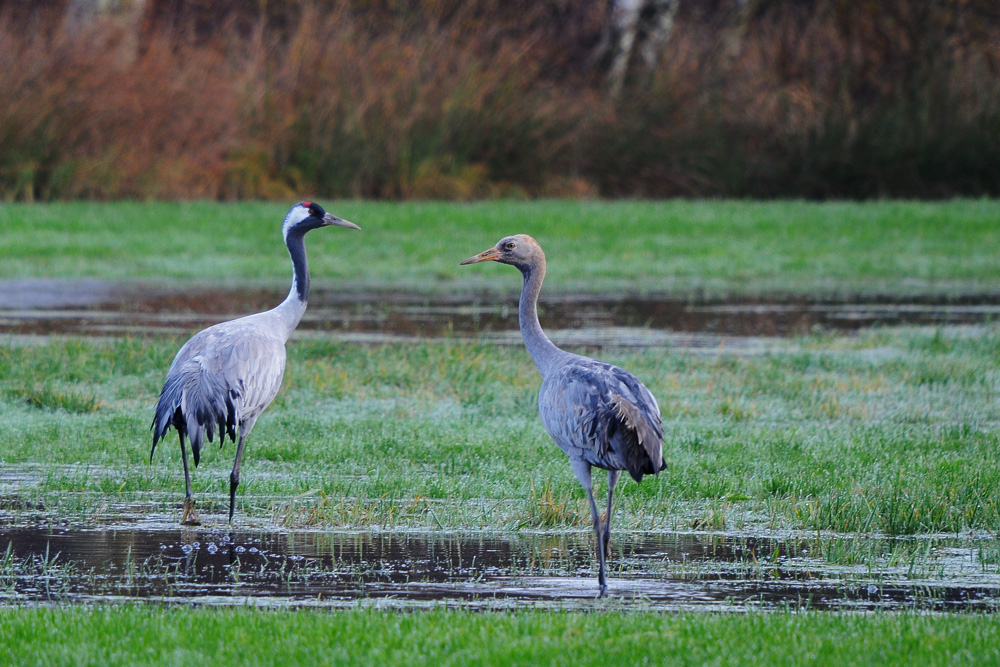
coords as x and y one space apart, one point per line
226 375
599 414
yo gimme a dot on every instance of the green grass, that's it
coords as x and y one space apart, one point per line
677 246
893 431
150 635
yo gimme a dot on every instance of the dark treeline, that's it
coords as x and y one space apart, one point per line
489 98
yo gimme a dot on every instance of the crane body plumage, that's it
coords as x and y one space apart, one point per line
221 379
225 376
600 415
603 415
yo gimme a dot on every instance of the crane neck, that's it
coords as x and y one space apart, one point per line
542 350
291 310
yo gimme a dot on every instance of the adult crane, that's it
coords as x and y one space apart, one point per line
226 375
599 414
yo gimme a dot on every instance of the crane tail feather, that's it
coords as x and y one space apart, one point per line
197 437
642 439
196 403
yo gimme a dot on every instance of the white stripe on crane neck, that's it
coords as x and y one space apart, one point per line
294 217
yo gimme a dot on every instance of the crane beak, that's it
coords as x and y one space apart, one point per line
484 256
330 219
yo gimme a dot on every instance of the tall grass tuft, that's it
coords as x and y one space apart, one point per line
48 397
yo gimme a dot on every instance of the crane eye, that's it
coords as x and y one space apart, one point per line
510 246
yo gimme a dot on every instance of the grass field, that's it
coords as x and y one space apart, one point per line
719 247
892 431
153 636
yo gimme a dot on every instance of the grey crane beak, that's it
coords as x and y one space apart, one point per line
330 219
484 256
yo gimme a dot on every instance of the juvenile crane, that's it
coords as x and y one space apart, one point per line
226 375
599 414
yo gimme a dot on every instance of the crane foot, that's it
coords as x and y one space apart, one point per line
190 516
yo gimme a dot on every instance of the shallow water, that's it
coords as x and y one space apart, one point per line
93 307
695 571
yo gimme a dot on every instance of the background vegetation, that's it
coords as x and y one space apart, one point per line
462 99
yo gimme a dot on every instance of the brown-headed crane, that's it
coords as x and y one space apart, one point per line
600 415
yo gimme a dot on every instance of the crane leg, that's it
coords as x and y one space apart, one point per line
582 471
234 477
613 477
190 516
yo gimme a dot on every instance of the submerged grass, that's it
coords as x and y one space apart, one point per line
893 432
152 635
677 246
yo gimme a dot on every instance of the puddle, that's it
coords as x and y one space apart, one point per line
664 571
93 307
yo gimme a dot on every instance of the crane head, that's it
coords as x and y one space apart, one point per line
308 215
519 250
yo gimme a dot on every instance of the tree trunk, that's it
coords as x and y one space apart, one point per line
635 32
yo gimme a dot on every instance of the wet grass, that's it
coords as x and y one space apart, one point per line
152 635
678 246
890 432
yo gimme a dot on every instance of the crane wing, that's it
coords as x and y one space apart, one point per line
223 376
604 415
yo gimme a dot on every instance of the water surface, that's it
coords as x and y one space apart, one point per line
93 307
668 571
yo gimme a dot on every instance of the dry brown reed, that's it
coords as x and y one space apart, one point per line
464 100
